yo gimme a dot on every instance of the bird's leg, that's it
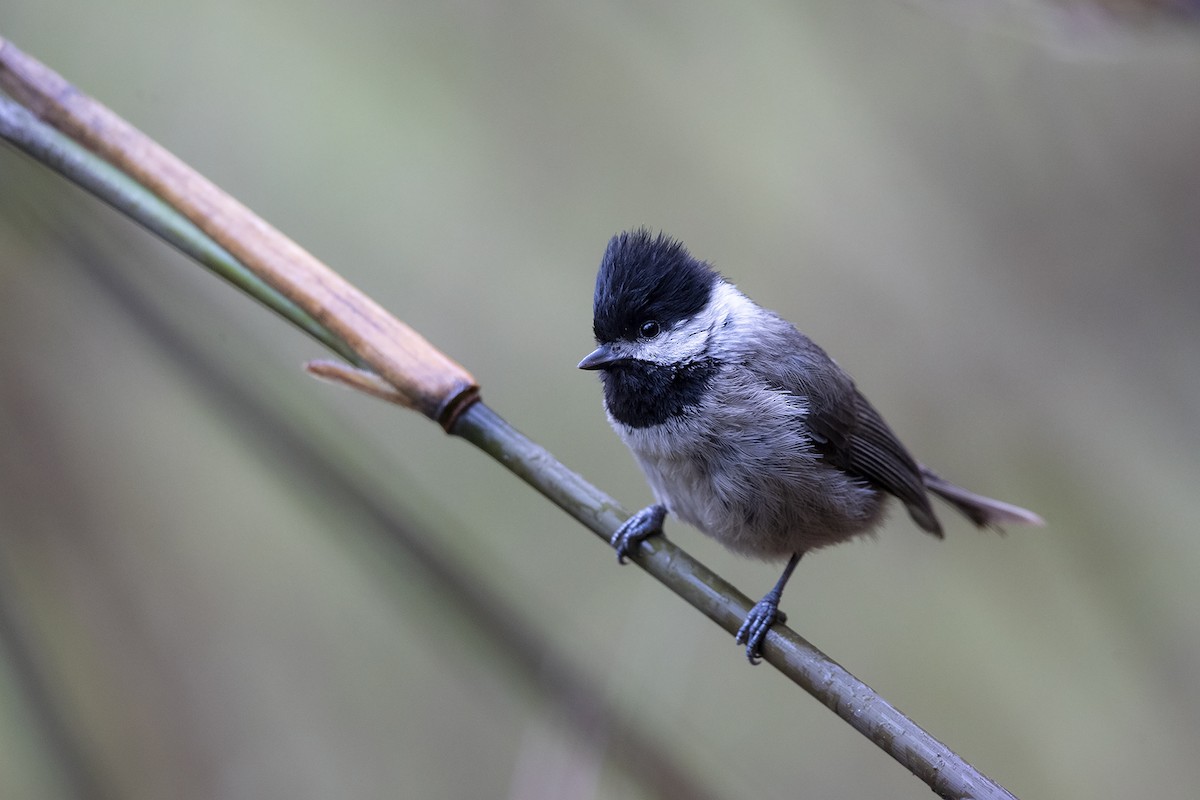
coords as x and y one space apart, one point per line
646 522
764 614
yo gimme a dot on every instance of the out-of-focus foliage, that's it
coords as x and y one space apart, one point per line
990 219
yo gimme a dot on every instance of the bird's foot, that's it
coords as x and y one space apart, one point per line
760 619
644 523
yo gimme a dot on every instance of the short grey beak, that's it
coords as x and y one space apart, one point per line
599 358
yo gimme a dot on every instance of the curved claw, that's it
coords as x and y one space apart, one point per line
754 630
646 522
764 614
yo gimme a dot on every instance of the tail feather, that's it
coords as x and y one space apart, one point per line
983 511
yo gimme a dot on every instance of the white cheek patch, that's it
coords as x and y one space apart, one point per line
680 345
688 341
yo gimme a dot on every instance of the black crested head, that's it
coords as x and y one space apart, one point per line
645 278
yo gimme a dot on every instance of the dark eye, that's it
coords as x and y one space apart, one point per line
649 329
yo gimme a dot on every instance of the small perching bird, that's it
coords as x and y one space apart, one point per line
744 427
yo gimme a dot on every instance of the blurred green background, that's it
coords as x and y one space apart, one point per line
989 216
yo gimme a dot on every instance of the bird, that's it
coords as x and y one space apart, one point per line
742 425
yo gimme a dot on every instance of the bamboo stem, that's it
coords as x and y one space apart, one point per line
428 380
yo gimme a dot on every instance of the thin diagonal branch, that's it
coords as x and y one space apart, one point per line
444 391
